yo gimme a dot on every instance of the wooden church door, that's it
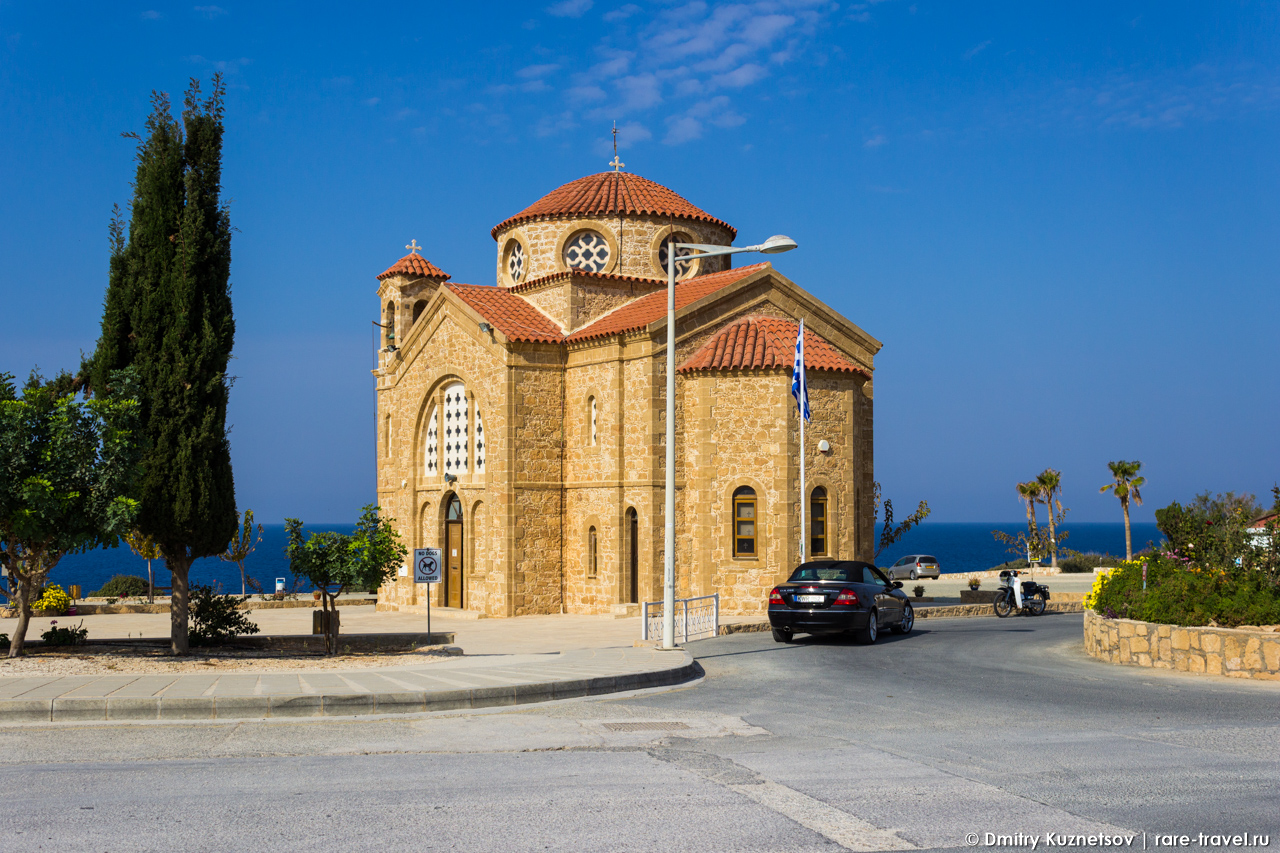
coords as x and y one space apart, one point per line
453 553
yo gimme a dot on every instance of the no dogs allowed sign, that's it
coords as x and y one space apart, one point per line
426 565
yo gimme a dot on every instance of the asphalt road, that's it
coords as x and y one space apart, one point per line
966 726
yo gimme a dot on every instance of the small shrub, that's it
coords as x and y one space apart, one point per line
123 586
917 591
54 599
56 636
214 618
4 641
1076 562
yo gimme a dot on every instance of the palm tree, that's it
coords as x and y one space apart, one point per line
1050 483
1126 485
1030 494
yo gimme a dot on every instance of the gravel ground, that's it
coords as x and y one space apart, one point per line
112 660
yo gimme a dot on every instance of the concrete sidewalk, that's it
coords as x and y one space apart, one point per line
517 635
462 683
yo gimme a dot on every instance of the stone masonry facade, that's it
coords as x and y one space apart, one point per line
529 416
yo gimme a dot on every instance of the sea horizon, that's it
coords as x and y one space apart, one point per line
962 546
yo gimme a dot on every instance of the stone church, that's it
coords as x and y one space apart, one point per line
521 423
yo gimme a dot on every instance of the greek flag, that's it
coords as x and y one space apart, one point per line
799 385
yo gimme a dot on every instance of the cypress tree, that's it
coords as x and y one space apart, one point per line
167 313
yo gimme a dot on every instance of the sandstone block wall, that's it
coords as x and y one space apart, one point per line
632 239
1233 652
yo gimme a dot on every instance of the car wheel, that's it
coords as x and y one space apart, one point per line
914 574
908 621
783 636
867 635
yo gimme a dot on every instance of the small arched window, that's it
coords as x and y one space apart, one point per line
593 552
745 531
389 325
591 421
818 523
418 308
454 511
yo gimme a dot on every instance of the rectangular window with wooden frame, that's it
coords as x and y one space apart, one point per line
745 532
818 523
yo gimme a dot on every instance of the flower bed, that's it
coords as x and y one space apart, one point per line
1248 652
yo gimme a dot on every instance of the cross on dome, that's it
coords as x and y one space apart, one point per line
616 163
413 247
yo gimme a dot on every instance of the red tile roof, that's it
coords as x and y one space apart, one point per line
509 314
646 309
599 276
415 265
755 343
611 193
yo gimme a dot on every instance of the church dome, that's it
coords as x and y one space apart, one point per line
611 194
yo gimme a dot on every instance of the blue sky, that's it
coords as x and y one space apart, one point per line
1061 219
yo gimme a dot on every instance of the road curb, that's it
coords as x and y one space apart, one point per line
66 709
949 611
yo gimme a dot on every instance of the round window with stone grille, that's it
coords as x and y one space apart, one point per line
684 268
515 261
587 250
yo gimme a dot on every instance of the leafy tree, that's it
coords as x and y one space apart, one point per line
146 548
67 468
242 546
890 534
336 562
167 313
1126 485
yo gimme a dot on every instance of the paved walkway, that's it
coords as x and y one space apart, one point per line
521 634
461 683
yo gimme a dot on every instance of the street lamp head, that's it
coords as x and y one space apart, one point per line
776 244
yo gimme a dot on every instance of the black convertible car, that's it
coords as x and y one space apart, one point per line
834 596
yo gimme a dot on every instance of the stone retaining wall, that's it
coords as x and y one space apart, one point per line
1235 652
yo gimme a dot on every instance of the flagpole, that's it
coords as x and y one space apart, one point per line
802 420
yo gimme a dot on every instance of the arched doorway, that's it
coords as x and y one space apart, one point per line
453 553
633 557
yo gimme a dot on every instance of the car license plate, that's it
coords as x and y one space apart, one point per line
811 599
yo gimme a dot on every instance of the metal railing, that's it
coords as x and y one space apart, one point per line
695 618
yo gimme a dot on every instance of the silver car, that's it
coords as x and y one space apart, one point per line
914 566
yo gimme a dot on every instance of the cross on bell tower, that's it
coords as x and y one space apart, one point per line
616 164
413 247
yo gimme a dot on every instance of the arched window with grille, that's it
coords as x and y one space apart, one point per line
451 437
745 533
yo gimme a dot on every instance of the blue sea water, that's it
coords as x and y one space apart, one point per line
971 548
959 548
267 562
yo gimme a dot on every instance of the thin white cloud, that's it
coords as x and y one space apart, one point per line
621 13
740 77
675 56
875 141
530 71
371 102
977 49
682 129
210 12
150 15
570 8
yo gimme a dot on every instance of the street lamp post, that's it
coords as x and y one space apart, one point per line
772 246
